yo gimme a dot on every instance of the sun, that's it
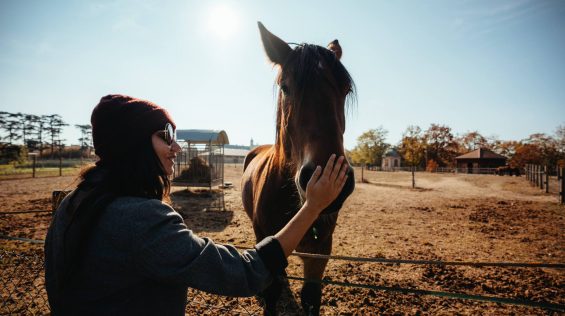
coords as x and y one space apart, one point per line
223 21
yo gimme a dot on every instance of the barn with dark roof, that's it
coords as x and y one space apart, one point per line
480 161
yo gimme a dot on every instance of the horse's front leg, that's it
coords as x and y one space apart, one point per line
270 297
311 294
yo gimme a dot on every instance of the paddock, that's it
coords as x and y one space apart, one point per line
447 218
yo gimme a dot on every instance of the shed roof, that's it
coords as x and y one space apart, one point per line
481 153
203 136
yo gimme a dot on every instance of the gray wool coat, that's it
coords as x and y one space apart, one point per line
141 258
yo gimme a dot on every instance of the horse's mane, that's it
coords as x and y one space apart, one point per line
303 65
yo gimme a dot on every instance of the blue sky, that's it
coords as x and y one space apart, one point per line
493 66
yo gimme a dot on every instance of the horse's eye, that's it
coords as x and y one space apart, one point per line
284 89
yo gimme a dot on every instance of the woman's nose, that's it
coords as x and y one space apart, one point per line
175 147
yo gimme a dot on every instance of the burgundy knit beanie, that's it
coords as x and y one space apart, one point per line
121 123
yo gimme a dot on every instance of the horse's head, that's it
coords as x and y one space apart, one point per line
313 87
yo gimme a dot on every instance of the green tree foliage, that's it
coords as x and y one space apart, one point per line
12 154
370 147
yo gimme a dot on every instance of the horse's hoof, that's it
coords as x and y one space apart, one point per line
311 298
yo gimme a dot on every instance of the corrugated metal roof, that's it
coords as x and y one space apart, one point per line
481 153
203 136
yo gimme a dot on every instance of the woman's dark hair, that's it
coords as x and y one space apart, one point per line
138 173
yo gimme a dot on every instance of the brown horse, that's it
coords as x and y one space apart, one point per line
313 88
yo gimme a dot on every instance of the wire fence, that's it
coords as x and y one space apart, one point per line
39 167
23 291
552 180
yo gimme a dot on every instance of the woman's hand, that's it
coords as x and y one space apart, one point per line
324 186
322 189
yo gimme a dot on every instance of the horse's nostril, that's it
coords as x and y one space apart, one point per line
305 174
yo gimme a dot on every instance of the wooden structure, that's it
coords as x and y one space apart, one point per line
539 177
391 160
479 161
201 161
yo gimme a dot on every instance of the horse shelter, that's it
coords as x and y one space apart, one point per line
200 163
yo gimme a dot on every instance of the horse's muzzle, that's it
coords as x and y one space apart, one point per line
306 173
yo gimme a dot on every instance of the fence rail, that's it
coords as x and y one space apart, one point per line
42 167
23 291
541 176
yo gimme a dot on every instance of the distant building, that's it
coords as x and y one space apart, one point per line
479 161
235 153
391 159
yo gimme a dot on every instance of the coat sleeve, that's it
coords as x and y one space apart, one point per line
165 250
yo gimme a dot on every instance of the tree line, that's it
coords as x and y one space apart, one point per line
22 133
437 146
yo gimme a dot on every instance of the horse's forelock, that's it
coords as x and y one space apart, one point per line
304 65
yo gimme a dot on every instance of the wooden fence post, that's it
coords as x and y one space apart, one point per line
546 179
538 174
527 172
541 176
561 178
33 166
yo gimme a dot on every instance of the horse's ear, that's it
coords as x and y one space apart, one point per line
277 50
336 48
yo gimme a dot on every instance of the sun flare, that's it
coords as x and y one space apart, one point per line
223 21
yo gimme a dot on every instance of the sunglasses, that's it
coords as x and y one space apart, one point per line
169 134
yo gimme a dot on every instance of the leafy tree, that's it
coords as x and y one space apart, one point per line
30 128
441 145
548 147
560 139
10 126
471 141
526 154
370 147
54 127
412 148
85 139
13 154
431 166
506 148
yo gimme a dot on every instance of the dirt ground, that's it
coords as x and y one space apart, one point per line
448 217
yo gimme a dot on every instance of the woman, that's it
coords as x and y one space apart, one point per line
115 245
